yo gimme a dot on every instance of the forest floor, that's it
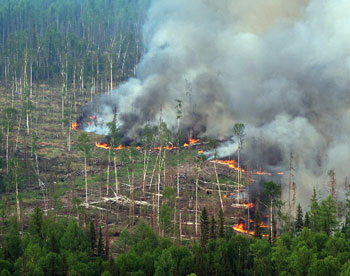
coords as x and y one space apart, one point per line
62 171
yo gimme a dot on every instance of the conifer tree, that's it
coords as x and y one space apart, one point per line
221 231
299 219
204 228
307 220
314 213
92 237
100 247
213 228
111 265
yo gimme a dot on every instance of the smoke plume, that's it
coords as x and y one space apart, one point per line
280 67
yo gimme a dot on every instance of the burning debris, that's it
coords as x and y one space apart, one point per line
75 125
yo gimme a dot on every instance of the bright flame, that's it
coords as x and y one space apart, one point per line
102 146
249 205
263 173
230 163
75 125
240 228
191 142
106 146
200 151
280 173
168 147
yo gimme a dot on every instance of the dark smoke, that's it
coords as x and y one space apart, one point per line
280 67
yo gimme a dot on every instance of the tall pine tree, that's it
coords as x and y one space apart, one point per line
213 228
307 220
100 247
221 224
299 224
204 228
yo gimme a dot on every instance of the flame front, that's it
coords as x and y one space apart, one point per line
75 125
240 228
191 142
230 163
263 173
106 146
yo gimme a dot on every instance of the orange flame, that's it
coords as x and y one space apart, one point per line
106 146
280 173
249 205
75 125
200 151
168 147
191 142
240 228
230 163
263 173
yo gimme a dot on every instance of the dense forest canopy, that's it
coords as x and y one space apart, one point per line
87 33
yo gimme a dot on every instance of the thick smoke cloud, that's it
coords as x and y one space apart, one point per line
280 67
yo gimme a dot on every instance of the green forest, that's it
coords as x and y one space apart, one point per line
80 204
59 246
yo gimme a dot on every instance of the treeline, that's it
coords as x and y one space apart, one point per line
86 43
61 246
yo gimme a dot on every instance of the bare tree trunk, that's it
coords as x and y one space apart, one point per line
196 218
74 88
239 171
218 183
18 130
124 58
86 185
158 190
7 150
271 219
180 222
116 175
109 161
17 199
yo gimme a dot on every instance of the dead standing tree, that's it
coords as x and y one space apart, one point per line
332 183
199 162
84 146
238 132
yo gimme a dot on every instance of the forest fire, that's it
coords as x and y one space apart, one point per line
191 142
249 205
263 173
240 228
230 163
75 125
233 165
168 147
106 146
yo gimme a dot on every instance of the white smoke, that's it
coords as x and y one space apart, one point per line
280 67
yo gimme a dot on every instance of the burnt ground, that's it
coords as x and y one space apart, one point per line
62 171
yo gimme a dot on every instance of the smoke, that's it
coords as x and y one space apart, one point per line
280 67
